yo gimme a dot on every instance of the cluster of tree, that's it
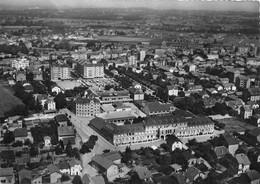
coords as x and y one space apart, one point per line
34 150
71 152
8 137
38 87
14 49
17 144
27 98
76 91
89 145
60 101
203 149
49 129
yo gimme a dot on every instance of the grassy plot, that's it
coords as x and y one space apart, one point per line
7 99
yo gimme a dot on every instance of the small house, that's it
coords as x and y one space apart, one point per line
243 163
7 175
66 134
75 167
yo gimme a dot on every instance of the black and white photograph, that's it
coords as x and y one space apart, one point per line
129 92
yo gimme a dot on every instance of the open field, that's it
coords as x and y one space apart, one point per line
7 99
122 39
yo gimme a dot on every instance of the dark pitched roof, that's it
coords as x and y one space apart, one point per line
74 162
242 159
20 132
98 123
53 168
254 91
98 179
171 119
81 100
105 160
63 165
255 132
253 175
115 129
66 130
191 173
24 173
135 91
67 139
61 118
156 106
232 141
85 179
142 172
6 172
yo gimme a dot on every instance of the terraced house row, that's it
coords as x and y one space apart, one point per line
152 129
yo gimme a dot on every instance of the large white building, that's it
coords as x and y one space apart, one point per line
90 70
20 63
60 72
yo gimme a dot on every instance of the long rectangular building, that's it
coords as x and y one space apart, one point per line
154 128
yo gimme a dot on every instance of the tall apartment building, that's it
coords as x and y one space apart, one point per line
86 107
20 63
142 55
243 82
60 72
90 70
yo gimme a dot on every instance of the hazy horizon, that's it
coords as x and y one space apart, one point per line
249 6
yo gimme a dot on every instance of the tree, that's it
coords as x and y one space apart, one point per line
27 142
170 139
61 144
17 144
58 150
68 149
127 155
89 145
34 150
77 180
164 160
75 153
65 178
8 137
60 101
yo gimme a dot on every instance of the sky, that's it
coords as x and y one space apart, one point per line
250 6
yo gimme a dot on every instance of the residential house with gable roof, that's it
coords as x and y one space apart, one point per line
66 134
21 134
255 120
251 94
232 143
243 162
255 134
64 167
56 89
143 173
107 163
246 111
75 167
28 176
7 175
61 119
254 176
136 93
